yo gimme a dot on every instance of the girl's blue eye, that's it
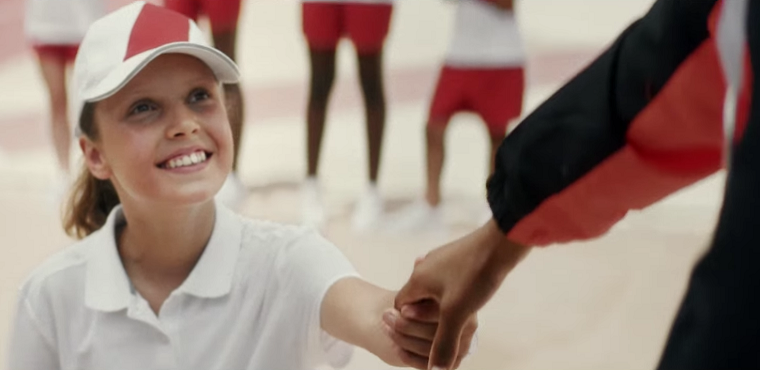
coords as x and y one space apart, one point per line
143 107
199 96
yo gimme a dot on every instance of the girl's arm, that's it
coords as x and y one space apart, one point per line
354 310
327 296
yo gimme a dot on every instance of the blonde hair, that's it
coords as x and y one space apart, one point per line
91 199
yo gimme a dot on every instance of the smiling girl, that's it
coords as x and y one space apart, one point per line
164 278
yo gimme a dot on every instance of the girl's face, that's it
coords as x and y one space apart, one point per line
165 135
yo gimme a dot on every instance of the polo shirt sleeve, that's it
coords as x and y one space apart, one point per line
31 343
307 267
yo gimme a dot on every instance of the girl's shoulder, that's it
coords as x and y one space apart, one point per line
64 268
258 234
274 252
284 243
297 260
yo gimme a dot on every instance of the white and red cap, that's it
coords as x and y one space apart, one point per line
118 46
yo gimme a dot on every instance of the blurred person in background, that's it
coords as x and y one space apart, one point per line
483 73
55 28
639 123
223 16
366 24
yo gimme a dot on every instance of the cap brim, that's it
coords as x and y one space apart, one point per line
223 67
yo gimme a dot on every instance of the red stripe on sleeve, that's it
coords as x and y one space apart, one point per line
675 141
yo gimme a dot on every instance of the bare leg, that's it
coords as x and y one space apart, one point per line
322 77
371 75
427 215
435 133
54 72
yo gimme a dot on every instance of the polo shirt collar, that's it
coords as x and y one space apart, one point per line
108 287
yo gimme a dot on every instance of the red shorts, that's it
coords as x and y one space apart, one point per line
222 14
64 53
496 94
365 24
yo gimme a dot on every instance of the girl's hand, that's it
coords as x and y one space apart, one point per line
413 330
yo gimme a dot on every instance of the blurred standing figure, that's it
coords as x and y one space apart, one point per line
483 73
366 24
223 16
55 28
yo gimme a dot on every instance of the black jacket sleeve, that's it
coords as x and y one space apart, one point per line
586 120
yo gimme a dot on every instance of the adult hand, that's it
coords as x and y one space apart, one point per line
460 278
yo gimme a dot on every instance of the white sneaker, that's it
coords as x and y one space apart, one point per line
418 216
368 211
233 192
312 212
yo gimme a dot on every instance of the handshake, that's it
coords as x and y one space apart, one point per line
434 319
417 337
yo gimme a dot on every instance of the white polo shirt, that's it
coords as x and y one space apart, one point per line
61 22
485 36
251 302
